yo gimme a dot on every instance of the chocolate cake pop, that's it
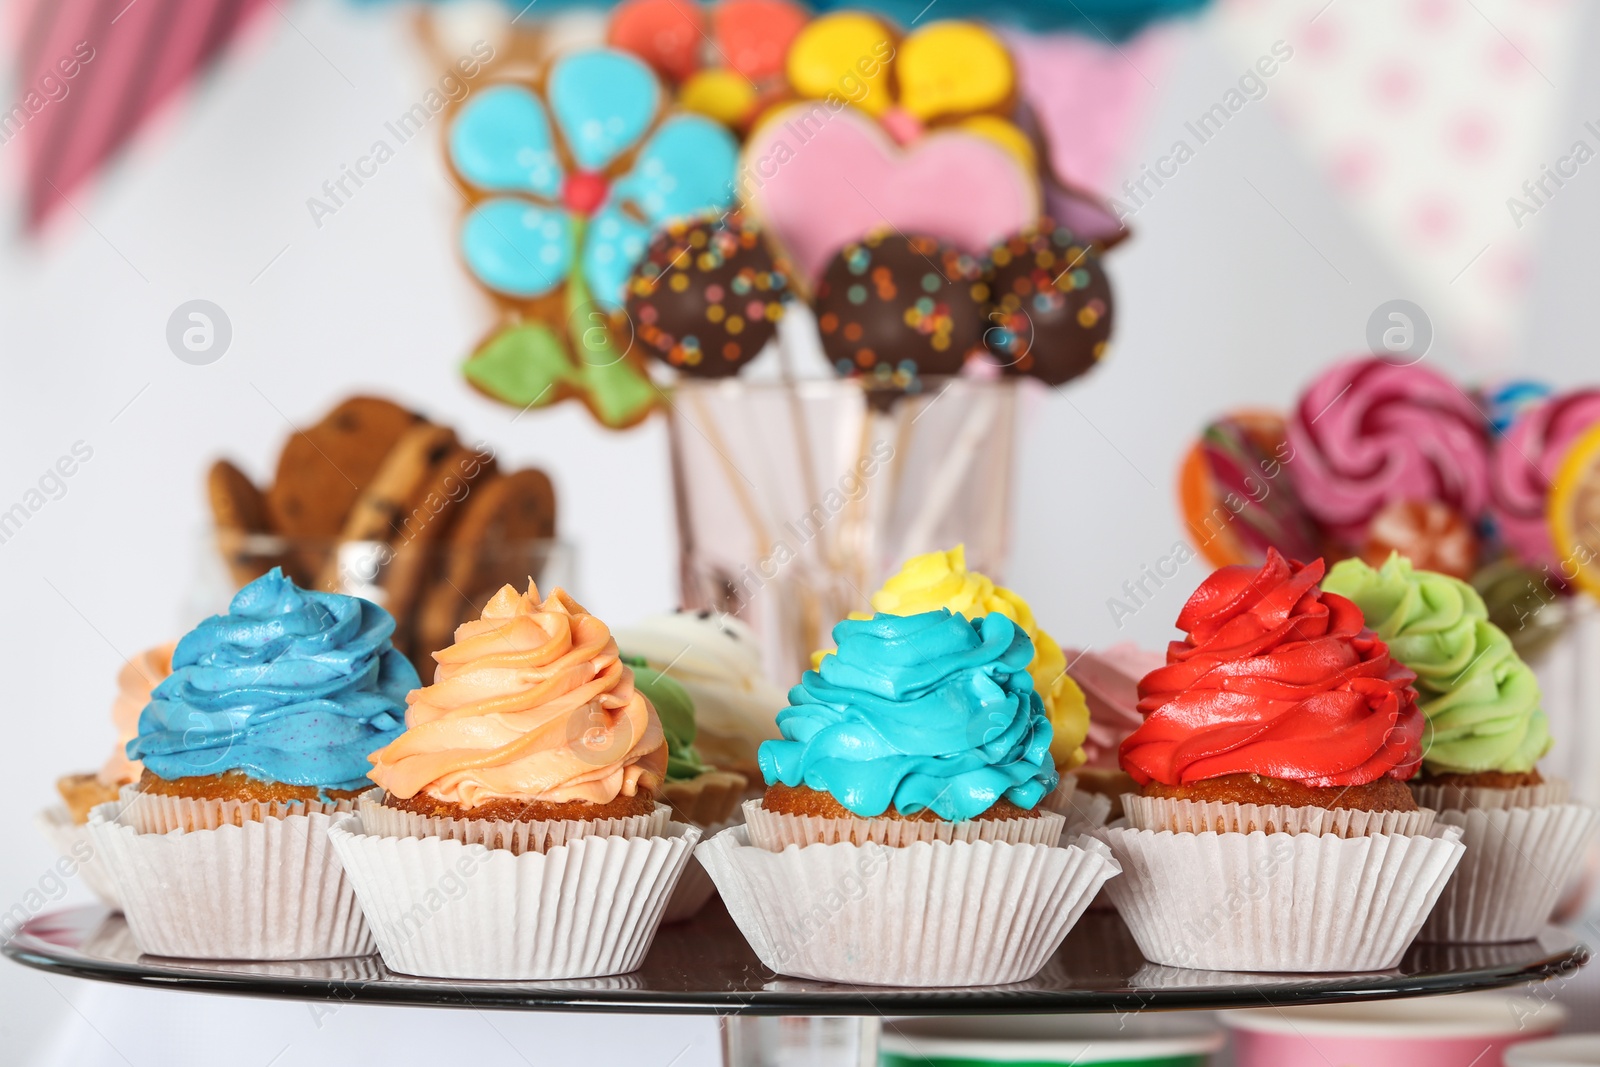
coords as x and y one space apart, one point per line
708 295
1052 310
896 309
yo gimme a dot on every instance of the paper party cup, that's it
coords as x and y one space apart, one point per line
1278 902
1578 1050
1518 862
443 908
78 854
1149 1040
1450 1031
269 889
925 914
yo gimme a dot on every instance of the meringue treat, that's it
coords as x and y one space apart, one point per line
717 660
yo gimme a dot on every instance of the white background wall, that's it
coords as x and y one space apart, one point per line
1221 304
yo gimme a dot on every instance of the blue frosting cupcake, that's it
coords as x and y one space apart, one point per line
921 717
281 699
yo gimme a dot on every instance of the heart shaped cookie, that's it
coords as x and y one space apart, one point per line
819 175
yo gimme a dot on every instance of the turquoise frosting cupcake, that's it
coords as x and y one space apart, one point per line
929 712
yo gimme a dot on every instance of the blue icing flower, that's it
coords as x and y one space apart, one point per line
290 686
600 104
927 711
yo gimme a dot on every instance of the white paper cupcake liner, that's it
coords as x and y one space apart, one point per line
694 891
1202 816
1059 799
775 831
158 813
271 889
72 841
706 800
1518 862
1551 792
1278 902
925 915
442 908
534 835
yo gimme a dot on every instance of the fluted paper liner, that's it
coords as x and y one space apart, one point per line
1278 902
270 889
443 908
775 831
71 840
695 889
1200 816
1518 862
926 915
533 835
159 813
1452 798
1059 799
706 799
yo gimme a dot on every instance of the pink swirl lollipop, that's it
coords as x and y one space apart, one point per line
1367 433
1524 468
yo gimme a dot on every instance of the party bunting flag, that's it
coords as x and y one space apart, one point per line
91 72
1433 120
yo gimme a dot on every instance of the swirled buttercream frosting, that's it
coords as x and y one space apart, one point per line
291 686
1276 678
532 702
941 580
1481 701
932 711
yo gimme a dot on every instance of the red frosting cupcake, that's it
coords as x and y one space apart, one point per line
1279 696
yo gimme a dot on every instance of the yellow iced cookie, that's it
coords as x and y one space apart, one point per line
1007 136
848 55
724 95
953 68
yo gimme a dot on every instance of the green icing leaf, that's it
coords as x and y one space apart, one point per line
526 365
618 392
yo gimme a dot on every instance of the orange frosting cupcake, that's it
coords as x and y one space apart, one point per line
533 706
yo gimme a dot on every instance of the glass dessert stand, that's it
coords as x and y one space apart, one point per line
704 967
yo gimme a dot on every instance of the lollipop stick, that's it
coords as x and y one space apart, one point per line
952 473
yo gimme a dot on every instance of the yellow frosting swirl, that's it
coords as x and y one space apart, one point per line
941 580
531 703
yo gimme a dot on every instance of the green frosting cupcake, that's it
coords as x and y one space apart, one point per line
1481 701
676 711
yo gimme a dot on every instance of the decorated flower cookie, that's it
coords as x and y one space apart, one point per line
726 59
567 180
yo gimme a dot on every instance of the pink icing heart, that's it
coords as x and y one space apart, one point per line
819 179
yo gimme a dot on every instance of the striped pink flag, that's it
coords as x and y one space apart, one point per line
90 72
